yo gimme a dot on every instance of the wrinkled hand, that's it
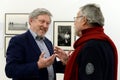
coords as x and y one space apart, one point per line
45 62
62 55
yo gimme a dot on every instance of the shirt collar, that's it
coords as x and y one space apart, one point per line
35 36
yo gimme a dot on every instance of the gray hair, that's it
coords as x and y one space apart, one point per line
93 14
39 11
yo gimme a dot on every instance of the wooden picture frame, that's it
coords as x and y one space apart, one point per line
6 43
16 23
64 36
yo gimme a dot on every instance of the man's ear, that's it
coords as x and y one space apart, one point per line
30 20
84 21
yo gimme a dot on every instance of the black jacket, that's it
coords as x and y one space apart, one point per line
96 61
22 56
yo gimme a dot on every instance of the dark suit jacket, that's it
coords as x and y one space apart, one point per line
96 61
22 56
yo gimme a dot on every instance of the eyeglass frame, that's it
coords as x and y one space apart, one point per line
75 18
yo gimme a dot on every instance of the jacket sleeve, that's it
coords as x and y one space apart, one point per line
96 62
15 64
59 67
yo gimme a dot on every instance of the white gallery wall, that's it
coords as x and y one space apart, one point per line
62 10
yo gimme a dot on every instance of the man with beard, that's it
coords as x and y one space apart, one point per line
95 55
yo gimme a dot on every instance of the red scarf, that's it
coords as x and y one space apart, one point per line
71 71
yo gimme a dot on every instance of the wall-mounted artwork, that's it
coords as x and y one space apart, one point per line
16 23
64 34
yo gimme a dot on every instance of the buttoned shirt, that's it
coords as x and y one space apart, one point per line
43 48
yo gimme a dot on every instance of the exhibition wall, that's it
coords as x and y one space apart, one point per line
62 10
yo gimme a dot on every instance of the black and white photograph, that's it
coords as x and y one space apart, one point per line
64 34
16 23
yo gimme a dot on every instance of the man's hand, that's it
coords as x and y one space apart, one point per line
62 55
45 62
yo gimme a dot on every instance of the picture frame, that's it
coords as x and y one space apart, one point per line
63 32
16 23
6 43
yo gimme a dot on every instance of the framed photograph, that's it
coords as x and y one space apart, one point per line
7 39
64 34
16 23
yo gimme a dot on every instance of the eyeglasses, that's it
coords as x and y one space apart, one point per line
75 18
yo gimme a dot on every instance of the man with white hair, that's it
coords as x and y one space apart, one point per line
95 55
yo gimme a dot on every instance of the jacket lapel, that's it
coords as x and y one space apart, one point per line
49 46
33 43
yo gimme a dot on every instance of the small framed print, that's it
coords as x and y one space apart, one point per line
16 23
6 43
64 34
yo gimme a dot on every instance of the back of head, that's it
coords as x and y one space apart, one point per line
39 11
93 14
